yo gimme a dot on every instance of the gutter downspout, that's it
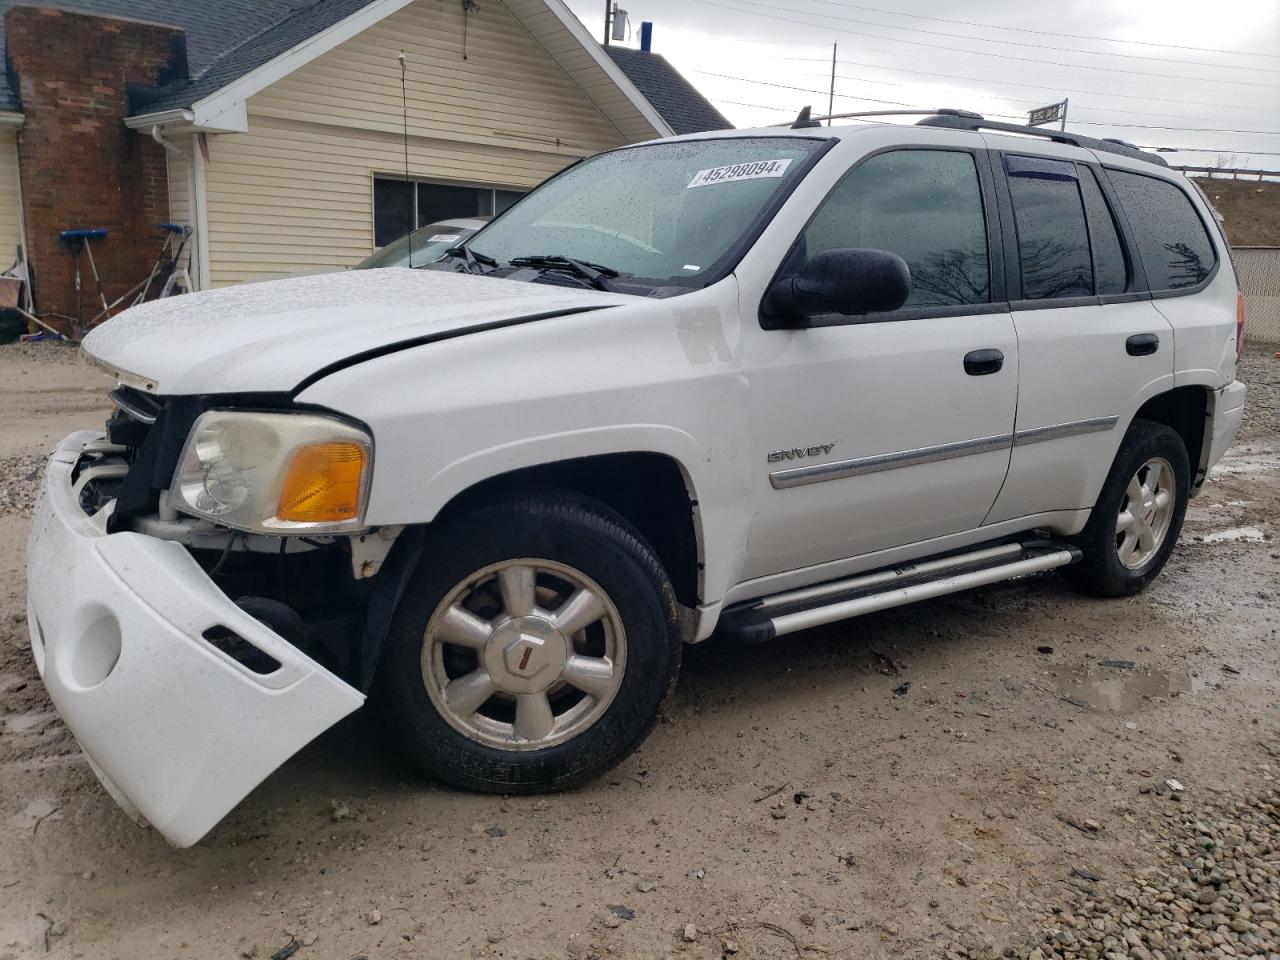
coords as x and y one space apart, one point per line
199 262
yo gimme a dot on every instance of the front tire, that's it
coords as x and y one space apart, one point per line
1136 521
534 648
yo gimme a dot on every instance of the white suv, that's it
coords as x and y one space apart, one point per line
738 383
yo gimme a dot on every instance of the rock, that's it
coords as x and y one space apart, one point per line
729 947
374 917
778 813
690 933
621 912
645 886
697 873
493 833
338 811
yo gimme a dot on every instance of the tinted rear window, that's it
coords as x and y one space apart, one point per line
1053 242
1172 240
1109 268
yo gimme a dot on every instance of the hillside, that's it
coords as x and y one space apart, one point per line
1251 209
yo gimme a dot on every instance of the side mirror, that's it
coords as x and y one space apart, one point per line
844 281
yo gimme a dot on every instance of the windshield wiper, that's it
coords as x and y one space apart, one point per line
472 259
595 274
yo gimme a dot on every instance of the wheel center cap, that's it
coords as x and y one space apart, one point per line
525 655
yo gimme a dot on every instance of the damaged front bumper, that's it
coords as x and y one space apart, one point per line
177 730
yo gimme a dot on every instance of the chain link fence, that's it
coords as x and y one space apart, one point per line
1258 269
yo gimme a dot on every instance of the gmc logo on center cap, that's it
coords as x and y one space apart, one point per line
524 661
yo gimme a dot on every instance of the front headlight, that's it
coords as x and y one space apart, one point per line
274 472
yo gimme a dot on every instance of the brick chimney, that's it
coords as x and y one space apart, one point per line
80 166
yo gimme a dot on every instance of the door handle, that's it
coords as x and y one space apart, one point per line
980 363
1142 345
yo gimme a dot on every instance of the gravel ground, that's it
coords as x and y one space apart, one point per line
1216 892
980 776
20 482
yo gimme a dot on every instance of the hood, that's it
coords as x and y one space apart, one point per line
271 336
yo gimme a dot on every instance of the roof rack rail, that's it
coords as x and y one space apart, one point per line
968 120
805 121
978 122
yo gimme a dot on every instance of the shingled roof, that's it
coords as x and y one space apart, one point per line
227 39
674 97
213 27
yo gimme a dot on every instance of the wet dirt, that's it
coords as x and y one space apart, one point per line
894 787
1122 689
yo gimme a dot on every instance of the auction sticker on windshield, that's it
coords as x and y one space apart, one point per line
757 170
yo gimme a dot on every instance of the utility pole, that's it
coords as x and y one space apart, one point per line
608 17
831 97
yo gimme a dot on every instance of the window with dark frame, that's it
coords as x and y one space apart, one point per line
923 205
400 205
1111 271
1053 238
1172 240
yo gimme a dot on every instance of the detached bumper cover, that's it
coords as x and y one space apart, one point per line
1228 411
177 731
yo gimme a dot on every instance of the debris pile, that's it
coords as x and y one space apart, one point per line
1217 895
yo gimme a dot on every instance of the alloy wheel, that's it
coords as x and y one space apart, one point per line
524 654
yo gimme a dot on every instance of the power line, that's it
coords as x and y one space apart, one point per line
937 46
1055 33
1029 86
1038 100
1146 58
1033 86
899 103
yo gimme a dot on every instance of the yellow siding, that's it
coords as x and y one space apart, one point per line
180 197
10 208
294 194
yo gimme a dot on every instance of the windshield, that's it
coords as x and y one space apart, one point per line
427 245
660 214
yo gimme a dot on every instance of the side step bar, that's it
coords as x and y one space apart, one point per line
758 621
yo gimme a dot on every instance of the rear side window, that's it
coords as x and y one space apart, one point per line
1053 241
923 205
1172 240
1109 268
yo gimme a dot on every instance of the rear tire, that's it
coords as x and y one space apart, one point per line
1136 521
534 648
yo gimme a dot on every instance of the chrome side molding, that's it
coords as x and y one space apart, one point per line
861 466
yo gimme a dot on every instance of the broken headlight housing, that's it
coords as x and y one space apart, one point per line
274 473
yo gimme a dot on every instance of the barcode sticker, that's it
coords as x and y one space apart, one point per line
756 170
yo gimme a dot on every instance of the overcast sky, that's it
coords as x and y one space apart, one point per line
1209 72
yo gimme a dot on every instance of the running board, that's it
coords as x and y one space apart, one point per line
758 621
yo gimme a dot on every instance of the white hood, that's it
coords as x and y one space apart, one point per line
271 336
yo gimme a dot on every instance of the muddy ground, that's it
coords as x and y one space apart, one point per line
919 781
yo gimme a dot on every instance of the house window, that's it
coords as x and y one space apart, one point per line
400 205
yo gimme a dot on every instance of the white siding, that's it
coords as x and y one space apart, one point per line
294 194
10 208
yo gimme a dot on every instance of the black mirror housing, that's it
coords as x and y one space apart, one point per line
845 281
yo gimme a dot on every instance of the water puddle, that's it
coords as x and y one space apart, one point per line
1246 461
1235 535
1120 686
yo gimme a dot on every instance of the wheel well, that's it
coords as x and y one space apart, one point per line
1184 409
648 489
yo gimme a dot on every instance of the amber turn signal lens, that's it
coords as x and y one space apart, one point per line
323 483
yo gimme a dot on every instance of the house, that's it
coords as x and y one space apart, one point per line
297 135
